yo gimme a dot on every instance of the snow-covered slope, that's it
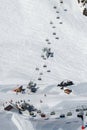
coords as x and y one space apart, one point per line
24 26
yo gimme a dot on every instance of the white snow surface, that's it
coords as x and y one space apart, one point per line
24 28
25 24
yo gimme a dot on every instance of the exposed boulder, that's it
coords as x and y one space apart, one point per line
85 11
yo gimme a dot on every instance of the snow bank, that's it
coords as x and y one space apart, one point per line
6 122
22 123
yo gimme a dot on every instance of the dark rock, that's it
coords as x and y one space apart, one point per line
85 11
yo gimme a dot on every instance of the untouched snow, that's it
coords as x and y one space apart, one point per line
24 27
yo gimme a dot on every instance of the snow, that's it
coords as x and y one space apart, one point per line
24 27
6 122
21 123
26 33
